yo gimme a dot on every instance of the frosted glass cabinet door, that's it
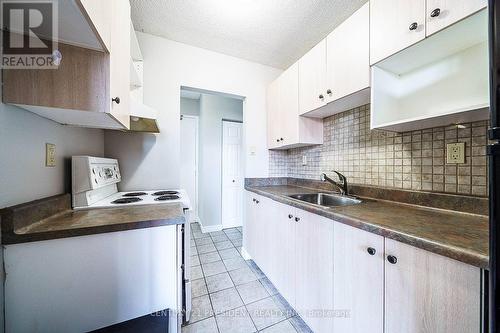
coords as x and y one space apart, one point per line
395 25
442 13
426 292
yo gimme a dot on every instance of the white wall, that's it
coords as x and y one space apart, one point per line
23 174
213 109
152 161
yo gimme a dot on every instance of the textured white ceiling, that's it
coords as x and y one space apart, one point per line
270 32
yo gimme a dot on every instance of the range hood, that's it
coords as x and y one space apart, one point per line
142 117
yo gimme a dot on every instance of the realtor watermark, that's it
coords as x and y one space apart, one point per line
29 34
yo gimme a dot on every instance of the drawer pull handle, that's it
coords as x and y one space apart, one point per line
392 259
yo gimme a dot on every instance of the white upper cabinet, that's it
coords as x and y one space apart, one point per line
442 13
286 129
426 292
99 13
348 56
312 79
120 62
395 25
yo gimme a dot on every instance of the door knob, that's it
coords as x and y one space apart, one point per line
371 251
116 100
392 259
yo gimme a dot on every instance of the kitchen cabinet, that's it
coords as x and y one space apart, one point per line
395 25
281 249
90 88
286 129
348 57
442 13
98 12
120 63
358 280
335 75
374 284
312 78
425 292
423 87
314 258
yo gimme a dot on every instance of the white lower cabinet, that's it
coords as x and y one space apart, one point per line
314 260
345 280
426 292
358 280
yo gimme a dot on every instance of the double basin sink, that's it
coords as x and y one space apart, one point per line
326 199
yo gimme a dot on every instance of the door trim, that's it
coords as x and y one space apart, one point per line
196 216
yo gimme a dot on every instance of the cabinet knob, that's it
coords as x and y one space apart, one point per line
392 259
281 139
371 251
116 100
436 12
329 91
257 201
297 219
290 216
321 96
254 199
277 140
413 26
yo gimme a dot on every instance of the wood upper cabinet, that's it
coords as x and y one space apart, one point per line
80 91
358 280
312 79
395 25
286 129
426 292
314 257
120 62
348 56
442 13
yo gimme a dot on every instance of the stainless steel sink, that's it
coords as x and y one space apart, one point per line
326 199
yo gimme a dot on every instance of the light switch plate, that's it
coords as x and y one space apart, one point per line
50 155
455 153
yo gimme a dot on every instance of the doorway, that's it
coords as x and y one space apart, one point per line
213 172
232 177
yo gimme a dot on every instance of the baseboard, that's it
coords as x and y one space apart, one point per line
210 228
245 254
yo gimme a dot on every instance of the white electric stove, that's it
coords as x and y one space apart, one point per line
94 186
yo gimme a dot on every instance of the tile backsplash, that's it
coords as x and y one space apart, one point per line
411 160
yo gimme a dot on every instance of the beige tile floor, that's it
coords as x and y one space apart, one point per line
231 295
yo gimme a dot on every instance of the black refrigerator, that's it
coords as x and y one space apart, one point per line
494 166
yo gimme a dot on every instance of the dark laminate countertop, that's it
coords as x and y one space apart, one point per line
460 236
52 218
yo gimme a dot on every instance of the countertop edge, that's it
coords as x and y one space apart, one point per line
462 255
12 238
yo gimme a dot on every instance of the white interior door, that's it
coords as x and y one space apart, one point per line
232 175
189 160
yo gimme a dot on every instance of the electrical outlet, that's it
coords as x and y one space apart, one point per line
455 153
304 160
50 155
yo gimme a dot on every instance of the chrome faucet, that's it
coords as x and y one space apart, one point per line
342 186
